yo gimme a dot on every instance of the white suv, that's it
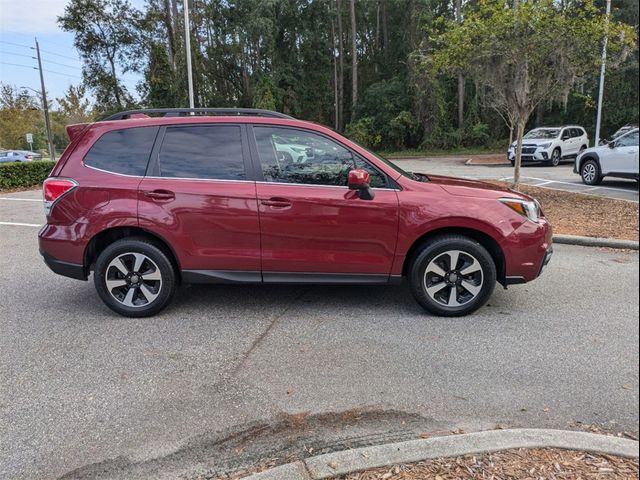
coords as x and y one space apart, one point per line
619 158
551 144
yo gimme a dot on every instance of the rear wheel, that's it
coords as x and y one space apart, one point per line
590 172
134 278
452 276
556 156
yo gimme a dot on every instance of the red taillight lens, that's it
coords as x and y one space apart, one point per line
54 188
29 157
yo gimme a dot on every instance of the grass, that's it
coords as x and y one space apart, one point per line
440 152
587 215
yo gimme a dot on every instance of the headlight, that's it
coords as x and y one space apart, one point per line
528 209
545 145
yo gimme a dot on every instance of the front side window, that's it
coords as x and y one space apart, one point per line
124 151
629 140
296 156
202 152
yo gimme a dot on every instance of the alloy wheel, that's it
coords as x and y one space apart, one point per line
133 279
589 172
453 278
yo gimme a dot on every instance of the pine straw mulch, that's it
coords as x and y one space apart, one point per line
587 215
521 464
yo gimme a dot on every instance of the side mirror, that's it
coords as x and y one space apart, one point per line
611 144
566 136
360 180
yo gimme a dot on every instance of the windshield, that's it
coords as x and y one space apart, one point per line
543 133
404 173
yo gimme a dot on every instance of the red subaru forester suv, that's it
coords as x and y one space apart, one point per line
147 202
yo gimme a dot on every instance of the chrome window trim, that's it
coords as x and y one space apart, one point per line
320 185
200 179
110 172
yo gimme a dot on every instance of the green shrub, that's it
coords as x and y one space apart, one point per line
363 132
24 174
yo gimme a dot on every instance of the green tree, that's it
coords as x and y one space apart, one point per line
20 114
527 53
107 37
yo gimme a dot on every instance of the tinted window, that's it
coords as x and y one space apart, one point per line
296 156
629 140
123 151
210 151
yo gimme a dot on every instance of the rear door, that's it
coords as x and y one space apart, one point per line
313 227
199 196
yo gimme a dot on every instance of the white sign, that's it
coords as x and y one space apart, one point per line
29 137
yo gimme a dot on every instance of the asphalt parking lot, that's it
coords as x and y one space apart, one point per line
559 178
229 376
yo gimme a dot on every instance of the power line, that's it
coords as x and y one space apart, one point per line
4 52
36 68
61 64
16 44
18 65
59 55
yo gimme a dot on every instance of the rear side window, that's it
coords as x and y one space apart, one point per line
123 151
208 152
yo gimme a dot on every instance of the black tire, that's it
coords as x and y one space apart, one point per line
590 172
156 263
556 157
436 250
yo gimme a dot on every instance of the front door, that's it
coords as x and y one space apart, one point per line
623 157
198 197
312 226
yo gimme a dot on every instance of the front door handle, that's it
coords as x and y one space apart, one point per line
160 194
276 202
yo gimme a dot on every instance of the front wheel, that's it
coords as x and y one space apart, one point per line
134 278
590 172
452 276
556 157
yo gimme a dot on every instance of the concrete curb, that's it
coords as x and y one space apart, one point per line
595 242
348 461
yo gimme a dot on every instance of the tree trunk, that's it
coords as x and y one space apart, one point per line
335 76
171 39
340 67
516 171
114 78
385 29
460 76
460 101
354 61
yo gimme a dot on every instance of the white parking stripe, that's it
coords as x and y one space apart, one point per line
17 224
16 199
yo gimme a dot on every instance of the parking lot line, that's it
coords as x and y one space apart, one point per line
17 224
15 199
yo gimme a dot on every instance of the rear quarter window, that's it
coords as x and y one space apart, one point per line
125 151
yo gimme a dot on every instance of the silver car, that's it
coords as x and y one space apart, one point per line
7 156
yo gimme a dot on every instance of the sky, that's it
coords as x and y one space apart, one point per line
21 21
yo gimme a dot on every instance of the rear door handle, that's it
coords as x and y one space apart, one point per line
160 194
276 202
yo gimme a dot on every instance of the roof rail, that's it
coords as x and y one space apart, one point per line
179 112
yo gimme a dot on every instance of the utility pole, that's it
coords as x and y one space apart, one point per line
601 86
187 46
45 106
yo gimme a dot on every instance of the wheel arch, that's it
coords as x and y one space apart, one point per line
589 156
106 237
484 239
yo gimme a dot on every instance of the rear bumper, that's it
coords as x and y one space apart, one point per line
65 269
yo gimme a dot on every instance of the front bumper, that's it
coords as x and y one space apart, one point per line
537 156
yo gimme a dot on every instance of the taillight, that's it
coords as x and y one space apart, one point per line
29 157
53 189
